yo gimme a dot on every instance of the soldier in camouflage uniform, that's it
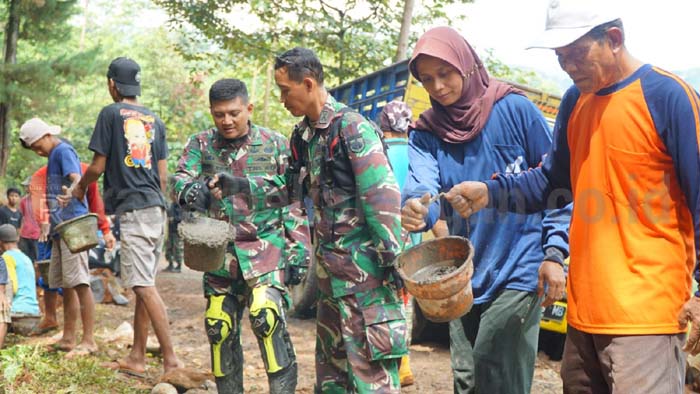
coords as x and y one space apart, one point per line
244 166
361 328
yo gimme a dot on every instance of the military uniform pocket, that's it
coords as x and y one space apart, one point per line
385 327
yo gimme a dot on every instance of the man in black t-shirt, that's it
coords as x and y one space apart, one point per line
130 149
10 213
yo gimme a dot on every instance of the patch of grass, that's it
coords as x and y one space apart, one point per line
30 369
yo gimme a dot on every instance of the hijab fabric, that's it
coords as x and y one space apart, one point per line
462 121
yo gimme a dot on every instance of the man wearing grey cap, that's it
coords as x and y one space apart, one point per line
626 150
130 149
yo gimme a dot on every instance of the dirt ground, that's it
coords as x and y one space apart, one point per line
182 294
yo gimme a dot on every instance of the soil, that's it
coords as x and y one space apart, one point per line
182 293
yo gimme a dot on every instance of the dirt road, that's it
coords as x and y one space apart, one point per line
182 294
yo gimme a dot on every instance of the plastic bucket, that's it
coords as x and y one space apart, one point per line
438 274
79 233
205 240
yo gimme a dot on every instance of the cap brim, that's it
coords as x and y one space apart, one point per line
30 140
128 90
557 38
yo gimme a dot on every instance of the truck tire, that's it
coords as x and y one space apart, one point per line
305 294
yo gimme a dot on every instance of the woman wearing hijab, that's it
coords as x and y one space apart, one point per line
477 127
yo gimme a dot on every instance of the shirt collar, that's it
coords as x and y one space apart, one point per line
330 107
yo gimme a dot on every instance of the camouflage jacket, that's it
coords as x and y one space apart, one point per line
358 228
269 231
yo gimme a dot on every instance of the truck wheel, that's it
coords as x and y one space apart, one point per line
305 294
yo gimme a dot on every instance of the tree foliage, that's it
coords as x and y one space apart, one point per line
30 83
59 81
351 37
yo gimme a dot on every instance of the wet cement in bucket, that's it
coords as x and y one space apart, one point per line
206 232
434 273
205 241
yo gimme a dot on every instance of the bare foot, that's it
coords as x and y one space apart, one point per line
170 366
81 351
60 346
124 366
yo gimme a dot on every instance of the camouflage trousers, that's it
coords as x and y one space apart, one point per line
174 249
220 282
360 339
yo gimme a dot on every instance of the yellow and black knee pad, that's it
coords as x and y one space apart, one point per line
220 324
269 326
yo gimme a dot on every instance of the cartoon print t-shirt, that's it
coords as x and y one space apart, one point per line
133 140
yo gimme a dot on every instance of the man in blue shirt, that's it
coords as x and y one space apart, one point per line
67 270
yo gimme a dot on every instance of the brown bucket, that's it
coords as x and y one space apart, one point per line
79 233
205 240
438 273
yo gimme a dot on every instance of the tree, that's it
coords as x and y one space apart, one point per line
34 62
402 45
10 57
352 38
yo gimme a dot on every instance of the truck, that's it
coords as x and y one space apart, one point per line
368 95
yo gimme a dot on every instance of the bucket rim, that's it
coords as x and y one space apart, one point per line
458 271
65 223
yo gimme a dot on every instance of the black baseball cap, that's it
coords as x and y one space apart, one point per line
126 74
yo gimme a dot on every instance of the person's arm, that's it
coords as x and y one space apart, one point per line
160 154
190 191
71 170
377 189
91 175
40 208
4 275
163 175
298 246
676 116
189 167
422 182
440 229
96 205
545 187
555 223
678 126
